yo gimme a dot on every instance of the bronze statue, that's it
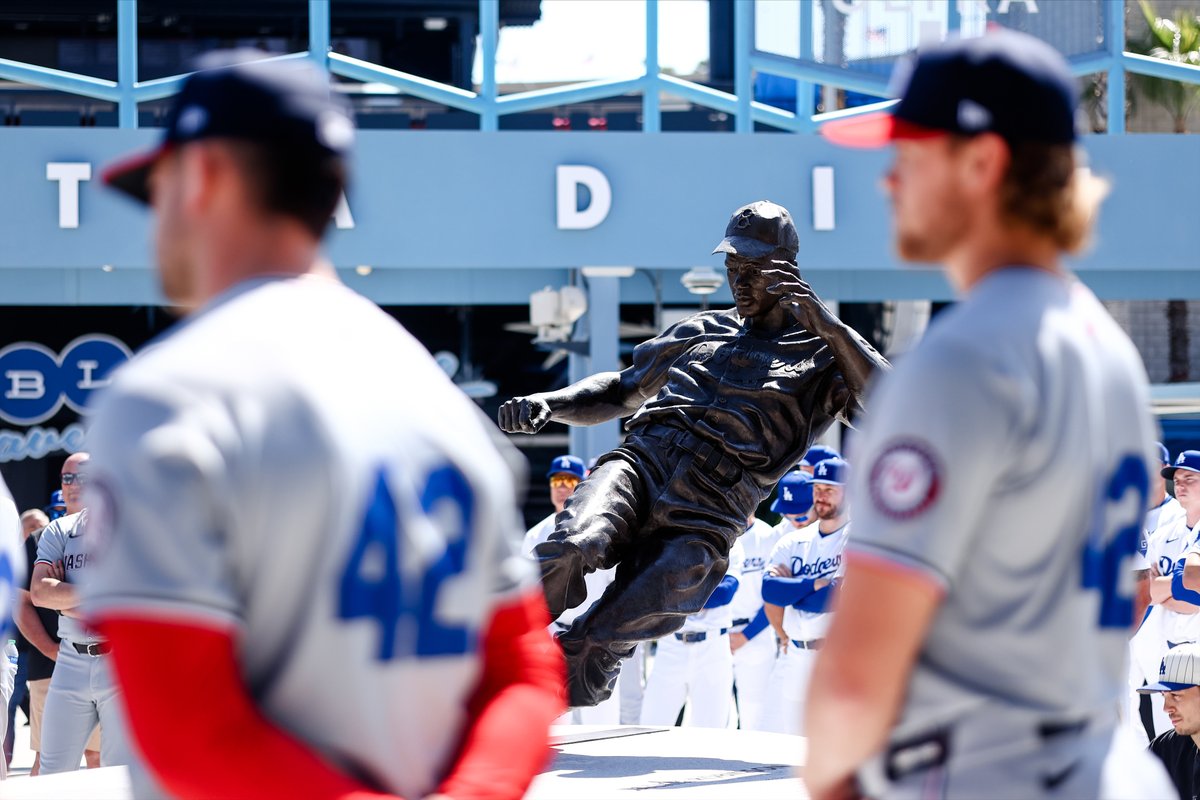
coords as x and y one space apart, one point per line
723 404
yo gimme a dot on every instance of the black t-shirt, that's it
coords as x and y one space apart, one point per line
1182 759
39 667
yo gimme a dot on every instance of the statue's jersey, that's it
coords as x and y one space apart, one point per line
763 399
1006 459
308 479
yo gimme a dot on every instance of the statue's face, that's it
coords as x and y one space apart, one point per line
749 285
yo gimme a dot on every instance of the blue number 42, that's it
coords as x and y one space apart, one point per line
372 585
1104 556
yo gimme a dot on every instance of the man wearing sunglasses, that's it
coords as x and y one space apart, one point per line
82 692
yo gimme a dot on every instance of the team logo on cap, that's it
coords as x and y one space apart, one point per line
191 120
904 480
787 495
972 116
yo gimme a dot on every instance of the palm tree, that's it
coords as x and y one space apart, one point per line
1172 40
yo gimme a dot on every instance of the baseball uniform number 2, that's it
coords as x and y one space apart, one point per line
1104 556
372 583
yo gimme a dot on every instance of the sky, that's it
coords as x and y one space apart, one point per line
579 40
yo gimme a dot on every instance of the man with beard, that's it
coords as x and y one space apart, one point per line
803 571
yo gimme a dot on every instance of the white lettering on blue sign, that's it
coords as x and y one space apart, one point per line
571 216
68 174
36 383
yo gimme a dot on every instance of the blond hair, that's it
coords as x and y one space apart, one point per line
1047 191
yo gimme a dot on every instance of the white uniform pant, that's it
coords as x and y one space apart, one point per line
82 692
8 674
1146 649
700 673
787 689
752 665
632 686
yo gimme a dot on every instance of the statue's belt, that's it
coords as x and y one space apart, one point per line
709 457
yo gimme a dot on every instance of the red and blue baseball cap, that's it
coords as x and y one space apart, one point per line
1188 460
794 495
567 465
287 106
831 471
1003 82
1179 670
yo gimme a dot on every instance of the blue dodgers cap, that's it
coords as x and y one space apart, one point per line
1004 82
287 106
56 500
831 471
1188 460
1163 455
567 465
794 495
818 453
1180 669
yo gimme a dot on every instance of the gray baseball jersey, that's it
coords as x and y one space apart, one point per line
65 539
291 466
12 555
1006 459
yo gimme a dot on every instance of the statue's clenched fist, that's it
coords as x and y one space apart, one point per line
524 415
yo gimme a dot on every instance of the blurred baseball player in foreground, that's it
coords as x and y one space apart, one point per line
977 646
313 585
12 573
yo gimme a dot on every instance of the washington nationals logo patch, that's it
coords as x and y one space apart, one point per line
904 481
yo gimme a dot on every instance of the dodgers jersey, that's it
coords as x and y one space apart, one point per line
757 543
12 555
809 554
291 466
1158 518
1007 459
65 540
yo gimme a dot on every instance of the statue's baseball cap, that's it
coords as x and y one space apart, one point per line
285 105
759 229
1003 82
1179 670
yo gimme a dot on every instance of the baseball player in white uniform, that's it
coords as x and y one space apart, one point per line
12 571
694 665
1001 473
1179 570
312 582
82 691
564 475
750 635
802 574
1166 537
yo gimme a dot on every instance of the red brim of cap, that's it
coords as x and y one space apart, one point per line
874 130
132 175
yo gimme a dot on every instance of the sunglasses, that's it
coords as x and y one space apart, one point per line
563 481
70 478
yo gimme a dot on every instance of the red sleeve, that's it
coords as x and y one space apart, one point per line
521 691
195 724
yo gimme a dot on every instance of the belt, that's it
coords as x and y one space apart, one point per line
94 650
739 623
709 457
691 637
811 644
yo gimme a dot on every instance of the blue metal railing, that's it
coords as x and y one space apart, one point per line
127 91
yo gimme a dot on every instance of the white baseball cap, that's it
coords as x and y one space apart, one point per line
1180 670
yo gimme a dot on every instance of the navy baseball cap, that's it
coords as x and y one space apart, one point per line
567 465
1163 455
794 495
1179 670
1188 459
818 453
1003 82
287 106
759 229
56 500
831 471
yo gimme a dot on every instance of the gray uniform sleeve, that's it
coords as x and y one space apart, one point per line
936 442
51 544
160 510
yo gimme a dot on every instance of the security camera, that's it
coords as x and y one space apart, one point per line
702 280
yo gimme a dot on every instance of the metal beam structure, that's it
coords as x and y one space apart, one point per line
127 91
